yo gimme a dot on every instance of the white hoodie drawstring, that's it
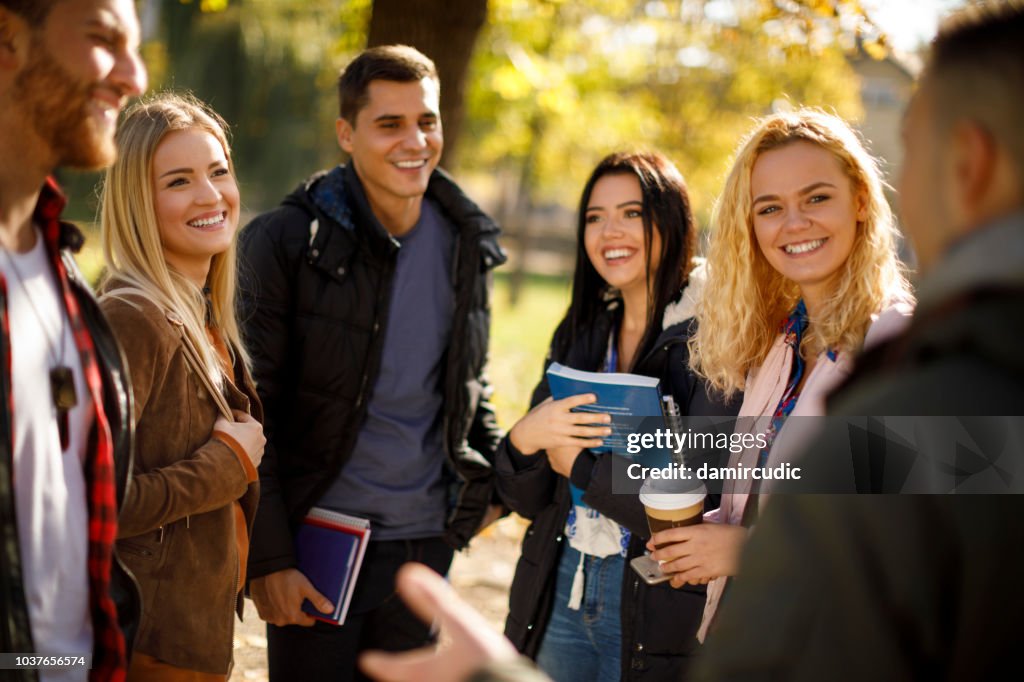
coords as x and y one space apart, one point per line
576 593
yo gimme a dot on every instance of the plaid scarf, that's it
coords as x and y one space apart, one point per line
109 652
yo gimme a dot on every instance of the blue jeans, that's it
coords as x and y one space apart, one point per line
585 645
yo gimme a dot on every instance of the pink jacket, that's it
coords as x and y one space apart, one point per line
763 391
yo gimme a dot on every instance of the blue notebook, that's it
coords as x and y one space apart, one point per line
630 400
329 547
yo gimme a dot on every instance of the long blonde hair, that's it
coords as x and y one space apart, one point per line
746 299
131 238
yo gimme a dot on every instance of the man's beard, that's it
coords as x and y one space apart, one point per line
58 107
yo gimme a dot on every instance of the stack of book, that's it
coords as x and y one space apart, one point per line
330 546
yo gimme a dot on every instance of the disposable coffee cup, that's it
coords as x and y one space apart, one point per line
671 509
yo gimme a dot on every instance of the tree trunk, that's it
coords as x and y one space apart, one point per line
445 31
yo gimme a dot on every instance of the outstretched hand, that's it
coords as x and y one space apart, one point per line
467 640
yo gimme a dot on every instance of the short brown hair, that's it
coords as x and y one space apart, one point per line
32 11
399 63
976 68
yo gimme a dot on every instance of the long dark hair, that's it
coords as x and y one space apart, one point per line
666 208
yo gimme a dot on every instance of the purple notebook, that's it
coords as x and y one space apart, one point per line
330 547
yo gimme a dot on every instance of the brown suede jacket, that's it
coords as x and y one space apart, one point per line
177 527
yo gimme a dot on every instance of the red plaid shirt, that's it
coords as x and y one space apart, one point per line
109 651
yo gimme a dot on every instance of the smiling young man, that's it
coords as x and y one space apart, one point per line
367 320
66 69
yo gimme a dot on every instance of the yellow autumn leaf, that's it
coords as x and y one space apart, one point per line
213 5
510 83
555 101
876 49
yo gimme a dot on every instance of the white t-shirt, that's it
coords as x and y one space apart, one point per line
49 484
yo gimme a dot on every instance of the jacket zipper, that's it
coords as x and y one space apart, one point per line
450 369
450 385
231 610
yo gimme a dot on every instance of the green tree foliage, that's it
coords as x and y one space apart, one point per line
268 67
447 32
556 85
553 85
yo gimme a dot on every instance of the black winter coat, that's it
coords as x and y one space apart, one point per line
896 587
659 623
315 292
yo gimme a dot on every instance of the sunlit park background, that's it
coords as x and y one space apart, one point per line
534 93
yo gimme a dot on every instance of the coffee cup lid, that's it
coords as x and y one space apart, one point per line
651 497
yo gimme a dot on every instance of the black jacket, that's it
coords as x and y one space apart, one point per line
959 357
899 587
659 623
314 296
15 632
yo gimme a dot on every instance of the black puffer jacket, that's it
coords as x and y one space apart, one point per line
659 623
316 284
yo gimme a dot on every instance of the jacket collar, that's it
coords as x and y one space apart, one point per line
339 195
686 307
47 212
459 207
351 187
679 310
990 256
326 190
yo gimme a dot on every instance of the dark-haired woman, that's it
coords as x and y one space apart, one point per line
575 605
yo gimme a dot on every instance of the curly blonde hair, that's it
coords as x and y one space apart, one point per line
745 299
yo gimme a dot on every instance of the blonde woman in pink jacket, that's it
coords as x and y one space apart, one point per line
802 274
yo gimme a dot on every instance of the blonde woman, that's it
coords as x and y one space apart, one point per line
803 273
169 215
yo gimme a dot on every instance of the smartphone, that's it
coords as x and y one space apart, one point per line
649 570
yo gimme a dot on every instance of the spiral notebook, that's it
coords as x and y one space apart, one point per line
329 547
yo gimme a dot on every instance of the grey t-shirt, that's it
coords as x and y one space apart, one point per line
395 476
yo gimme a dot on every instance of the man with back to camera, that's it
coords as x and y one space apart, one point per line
367 317
66 69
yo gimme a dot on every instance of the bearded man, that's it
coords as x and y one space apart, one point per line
66 69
